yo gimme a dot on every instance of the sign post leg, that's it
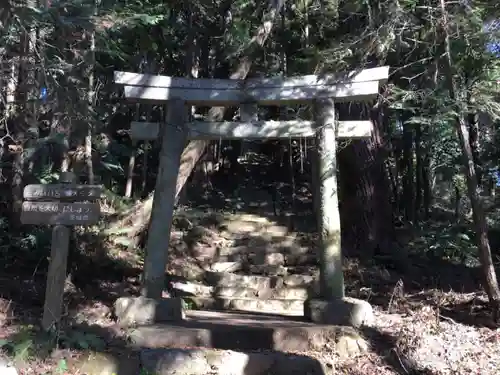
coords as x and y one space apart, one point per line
173 141
56 275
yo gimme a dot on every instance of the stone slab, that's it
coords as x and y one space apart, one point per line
248 332
141 310
347 311
270 306
226 362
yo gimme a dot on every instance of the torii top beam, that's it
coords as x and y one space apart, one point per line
352 86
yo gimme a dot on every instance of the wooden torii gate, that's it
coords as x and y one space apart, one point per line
324 91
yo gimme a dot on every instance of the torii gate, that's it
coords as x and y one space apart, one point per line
322 90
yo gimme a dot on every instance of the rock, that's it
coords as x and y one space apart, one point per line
174 361
226 362
7 368
267 269
231 280
213 219
226 266
236 292
141 310
192 289
351 345
291 293
182 223
186 270
298 280
199 234
242 227
300 259
346 311
261 258
92 363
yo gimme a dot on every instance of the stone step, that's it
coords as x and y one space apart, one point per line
232 280
192 289
293 293
257 282
261 306
243 331
268 254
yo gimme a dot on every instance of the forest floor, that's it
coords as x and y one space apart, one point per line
431 316
427 332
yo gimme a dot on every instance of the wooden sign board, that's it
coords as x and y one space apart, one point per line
65 192
60 213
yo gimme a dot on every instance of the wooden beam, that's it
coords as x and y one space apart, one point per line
252 130
342 92
380 74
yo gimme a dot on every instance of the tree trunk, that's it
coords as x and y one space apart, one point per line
90 104
478 214
427 186
408 185
419 174
366 206
473 124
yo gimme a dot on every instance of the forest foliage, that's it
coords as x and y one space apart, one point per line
60 110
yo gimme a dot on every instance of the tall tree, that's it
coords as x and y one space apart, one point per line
455 87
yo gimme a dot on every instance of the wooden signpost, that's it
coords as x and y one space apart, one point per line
63 205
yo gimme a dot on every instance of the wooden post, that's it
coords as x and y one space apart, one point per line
56 275
331 274
173 140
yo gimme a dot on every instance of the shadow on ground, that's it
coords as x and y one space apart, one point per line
385 346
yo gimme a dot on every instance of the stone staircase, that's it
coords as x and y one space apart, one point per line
281 295
261 269
239 309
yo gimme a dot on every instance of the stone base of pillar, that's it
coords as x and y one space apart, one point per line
344 312
131 311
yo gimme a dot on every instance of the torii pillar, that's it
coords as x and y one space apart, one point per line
332 307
